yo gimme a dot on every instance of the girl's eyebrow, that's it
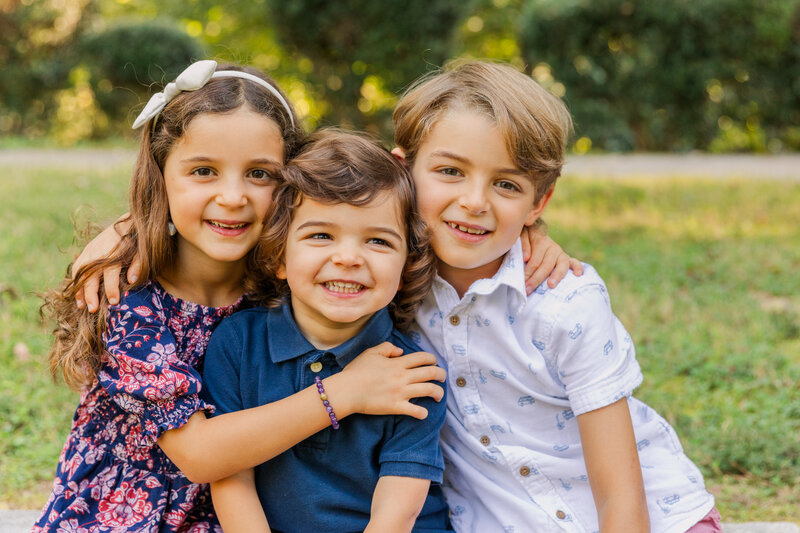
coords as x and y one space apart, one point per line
451 155
370 229
205 159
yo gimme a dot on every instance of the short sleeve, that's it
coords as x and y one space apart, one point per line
412 450
596 360
221 370
141 371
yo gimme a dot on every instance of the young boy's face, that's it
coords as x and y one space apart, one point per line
472 196
343 263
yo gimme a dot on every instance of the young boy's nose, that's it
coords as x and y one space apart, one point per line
347 255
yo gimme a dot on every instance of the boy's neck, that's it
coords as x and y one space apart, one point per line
462 279
321 332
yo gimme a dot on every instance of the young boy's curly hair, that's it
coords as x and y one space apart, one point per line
343 167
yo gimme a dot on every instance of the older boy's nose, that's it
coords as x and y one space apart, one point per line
473 200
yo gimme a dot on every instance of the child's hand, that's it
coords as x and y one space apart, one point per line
543 258
381 381
100 247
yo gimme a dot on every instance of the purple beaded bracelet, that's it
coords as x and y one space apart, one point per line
326 403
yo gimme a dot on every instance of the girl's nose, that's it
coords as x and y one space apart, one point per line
474 201
231 192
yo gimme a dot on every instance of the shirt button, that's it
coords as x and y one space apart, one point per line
461 382
485 440
315 367
524 471
455 320
561 515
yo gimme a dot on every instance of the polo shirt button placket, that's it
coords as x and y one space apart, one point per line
315 367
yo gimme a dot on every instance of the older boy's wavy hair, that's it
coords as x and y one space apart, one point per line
78 347
343 167
534 123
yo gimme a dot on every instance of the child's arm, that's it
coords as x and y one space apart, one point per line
374 383
544 259
612 462
99 247
396 503
237 505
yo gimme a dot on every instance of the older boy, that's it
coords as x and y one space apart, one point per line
541 431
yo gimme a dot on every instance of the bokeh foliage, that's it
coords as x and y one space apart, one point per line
719 75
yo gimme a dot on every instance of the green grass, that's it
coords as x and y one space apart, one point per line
703 274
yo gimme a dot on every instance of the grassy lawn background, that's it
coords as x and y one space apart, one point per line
704 275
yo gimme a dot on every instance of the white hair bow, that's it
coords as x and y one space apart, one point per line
194 77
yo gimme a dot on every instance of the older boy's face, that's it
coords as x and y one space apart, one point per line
471 195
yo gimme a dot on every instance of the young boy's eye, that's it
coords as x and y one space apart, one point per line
203 171
380 242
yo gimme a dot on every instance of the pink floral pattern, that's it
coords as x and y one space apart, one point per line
111 475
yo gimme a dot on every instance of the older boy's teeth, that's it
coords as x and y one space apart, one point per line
465 229
343 286
227 226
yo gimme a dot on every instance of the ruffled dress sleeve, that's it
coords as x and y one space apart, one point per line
142 371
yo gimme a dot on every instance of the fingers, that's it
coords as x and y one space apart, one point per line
111 283
387 349
90 291
134 270
413 360
576 266
526 244
546 263
417 411
559 271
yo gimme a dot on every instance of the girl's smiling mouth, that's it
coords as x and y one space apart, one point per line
229 228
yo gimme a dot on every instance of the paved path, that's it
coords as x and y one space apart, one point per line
780 167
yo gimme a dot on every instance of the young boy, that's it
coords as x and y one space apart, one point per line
542 433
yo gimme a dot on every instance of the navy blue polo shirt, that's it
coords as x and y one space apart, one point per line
326 482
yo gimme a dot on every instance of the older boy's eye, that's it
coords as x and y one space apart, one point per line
508 185
449 171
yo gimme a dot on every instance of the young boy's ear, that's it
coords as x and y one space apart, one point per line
399 154
538 207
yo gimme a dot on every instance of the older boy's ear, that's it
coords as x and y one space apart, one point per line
538 207
399 154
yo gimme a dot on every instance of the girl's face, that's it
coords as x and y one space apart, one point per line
343 263
219 184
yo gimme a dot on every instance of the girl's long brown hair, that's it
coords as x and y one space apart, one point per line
342 167
77 349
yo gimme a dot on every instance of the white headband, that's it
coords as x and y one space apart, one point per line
194 77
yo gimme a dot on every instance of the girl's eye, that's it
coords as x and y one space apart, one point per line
508 185
203 171
260 174
319 236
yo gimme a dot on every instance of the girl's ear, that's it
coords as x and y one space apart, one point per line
399 154
281 272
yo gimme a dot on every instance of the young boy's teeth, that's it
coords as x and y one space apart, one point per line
227 226
343 286
465 229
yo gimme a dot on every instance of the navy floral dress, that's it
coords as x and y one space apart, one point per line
111 475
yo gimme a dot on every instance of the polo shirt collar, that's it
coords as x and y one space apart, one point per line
287 342
511 274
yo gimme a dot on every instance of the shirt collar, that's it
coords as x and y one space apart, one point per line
286 342
511 275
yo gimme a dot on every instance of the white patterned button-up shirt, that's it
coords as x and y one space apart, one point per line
520 369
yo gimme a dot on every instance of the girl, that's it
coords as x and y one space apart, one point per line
349 253
140 441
